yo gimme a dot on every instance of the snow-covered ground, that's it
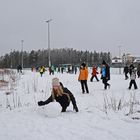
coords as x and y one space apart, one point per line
98 117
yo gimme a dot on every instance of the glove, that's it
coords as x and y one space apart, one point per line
75 108
41 103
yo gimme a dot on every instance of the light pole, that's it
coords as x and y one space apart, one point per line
11 59
120 59
49 57
43 56
22 53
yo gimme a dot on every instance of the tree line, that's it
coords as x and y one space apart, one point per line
58 57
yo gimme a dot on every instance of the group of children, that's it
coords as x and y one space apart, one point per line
83 76
105 75
64 96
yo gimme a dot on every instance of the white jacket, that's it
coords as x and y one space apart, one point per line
133 75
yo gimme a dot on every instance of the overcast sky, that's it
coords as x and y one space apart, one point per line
100 25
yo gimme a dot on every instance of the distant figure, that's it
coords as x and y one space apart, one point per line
62 69
62 95
125 71
138 70
41 70
58 69
37 68
75 69
32 68
51 70
131 67
69 70
105 74
94 73
83 76
133 78
19 69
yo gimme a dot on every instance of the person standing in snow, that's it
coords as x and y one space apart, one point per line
83 76
41 70
125 71
61 94
94 74
19 69
133 78
138 70
105 74
75 69
131 67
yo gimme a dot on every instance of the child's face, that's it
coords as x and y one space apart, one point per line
55 87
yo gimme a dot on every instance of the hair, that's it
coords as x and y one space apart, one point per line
59 91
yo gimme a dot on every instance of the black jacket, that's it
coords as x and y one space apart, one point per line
126 70
107 72
63 100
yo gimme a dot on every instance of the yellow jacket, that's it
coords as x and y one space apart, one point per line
41 70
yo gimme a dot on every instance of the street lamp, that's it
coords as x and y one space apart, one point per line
11 59
120 59
48 21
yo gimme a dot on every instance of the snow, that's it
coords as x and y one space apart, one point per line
98 117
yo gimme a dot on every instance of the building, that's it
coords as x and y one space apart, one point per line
128 58
117 62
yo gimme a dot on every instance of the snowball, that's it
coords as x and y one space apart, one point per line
52 109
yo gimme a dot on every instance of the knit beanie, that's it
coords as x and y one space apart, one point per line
103 62
83 64
55 82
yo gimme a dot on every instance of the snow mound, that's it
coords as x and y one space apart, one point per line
52 109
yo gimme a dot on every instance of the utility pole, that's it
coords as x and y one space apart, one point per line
11 59
120 59
22 41
49 57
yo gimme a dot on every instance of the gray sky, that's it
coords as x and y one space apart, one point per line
101 25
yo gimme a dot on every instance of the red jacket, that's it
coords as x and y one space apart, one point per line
94 71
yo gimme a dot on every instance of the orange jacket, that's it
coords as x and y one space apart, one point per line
83 75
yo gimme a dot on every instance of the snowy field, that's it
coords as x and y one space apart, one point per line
112 114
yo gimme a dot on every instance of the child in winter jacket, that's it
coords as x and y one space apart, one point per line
41 70
94 74
83 76
125 71
133 77
138 70
61 94
105 74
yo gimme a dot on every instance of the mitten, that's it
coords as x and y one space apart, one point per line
40 103
75 108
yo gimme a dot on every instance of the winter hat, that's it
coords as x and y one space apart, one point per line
55 82
103 62
83 64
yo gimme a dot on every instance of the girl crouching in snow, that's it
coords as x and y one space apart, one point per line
61 95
